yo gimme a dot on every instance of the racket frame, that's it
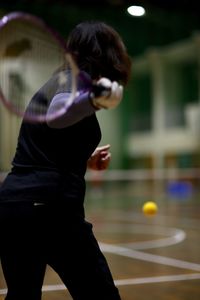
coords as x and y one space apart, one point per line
61 43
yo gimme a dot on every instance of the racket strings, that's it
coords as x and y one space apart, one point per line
29 55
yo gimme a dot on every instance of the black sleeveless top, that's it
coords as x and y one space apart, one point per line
50 164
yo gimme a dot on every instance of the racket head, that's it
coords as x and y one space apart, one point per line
31 54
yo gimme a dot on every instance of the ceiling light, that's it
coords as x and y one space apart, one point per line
136 11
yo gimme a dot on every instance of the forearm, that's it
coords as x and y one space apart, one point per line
80 108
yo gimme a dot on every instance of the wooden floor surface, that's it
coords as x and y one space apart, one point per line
150 258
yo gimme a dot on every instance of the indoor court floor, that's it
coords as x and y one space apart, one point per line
150 257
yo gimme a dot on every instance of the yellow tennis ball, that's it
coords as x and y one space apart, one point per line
150 208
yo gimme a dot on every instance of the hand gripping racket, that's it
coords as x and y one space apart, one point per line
30 54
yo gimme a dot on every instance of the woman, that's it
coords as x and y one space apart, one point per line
42 216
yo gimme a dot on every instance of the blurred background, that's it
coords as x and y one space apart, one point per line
155 132
154 136
157 125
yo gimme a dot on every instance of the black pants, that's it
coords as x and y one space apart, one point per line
36 235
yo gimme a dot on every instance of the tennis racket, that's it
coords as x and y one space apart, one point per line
31 54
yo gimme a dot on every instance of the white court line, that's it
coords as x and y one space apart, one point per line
129 281
157 279
149 257
3 291
174 235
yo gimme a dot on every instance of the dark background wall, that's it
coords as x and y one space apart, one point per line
164 23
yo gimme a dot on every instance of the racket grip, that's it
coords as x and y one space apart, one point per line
99 90
106 94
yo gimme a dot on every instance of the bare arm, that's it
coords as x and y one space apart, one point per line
79 108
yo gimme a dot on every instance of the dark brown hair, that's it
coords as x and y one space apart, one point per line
100 51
